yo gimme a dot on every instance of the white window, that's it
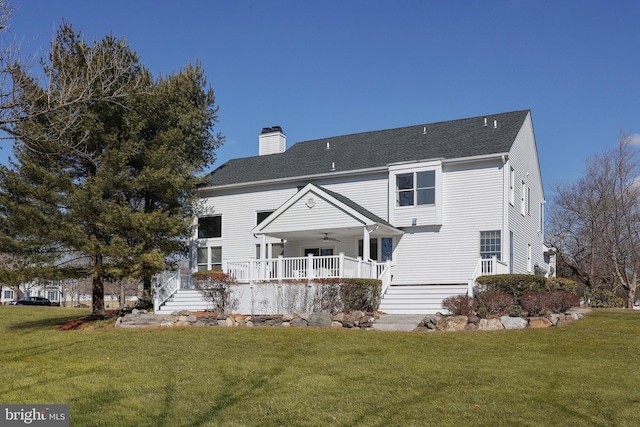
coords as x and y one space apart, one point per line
8 294
52 295
523 196
529 258
416 188
512 185
541 225
490 244
209 258
529 201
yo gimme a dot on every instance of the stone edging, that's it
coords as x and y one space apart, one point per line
141 319
439 322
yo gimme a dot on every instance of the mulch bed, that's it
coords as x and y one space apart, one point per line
86 321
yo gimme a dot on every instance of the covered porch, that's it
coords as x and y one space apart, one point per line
318 233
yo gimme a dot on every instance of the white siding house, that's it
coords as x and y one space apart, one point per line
425 208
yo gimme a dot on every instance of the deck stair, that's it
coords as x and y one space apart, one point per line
418 299
184 299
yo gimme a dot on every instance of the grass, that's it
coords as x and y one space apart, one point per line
584 374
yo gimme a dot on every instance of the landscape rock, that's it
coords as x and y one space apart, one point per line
287 317
453 323
513 322
539 322
298 322
336 324
321 319
491 324
555 318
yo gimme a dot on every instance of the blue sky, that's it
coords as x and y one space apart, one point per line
326 68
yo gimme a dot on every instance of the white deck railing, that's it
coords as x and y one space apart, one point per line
487 267
167 284
302 268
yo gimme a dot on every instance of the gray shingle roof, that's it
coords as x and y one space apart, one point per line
446 140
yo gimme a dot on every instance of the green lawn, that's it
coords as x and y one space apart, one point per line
584 374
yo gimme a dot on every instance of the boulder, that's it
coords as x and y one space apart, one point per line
320 319
336 324
229 322
453 323
492 324
298 322
287 317
539 322
555 318
338 317
513 322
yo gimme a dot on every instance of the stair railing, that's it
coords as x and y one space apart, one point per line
167 284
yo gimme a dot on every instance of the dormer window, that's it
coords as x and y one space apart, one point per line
416 188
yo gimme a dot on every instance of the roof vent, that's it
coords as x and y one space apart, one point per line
328 147
333 166
495 124
485 122
424 130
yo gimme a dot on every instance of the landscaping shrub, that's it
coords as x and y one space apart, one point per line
513 284
497 303
604 298
214 287
460 305
560 284
535 303
561 301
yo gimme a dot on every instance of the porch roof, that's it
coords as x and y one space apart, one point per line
317 212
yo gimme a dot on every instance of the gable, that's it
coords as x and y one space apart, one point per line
316 209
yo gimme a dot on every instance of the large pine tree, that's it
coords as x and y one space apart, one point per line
107 158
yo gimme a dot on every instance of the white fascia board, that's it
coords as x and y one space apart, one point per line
296 178
471 159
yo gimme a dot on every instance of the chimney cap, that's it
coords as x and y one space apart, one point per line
272 129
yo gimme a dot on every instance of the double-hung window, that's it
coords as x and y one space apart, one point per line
209 258
416 188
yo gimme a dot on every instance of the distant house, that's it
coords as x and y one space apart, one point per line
425 208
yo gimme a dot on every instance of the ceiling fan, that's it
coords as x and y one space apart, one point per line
326 238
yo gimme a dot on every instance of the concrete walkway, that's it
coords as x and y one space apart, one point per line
398 322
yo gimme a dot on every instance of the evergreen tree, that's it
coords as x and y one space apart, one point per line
108 159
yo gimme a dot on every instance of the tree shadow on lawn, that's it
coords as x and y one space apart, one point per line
63 322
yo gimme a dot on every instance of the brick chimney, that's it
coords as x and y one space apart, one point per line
272 141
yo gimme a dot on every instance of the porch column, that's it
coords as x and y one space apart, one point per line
263 256
366 245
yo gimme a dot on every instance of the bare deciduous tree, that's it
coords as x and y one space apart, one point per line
595 222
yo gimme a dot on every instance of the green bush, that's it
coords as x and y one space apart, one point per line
460 305
604 298
513 284
561 284
521 284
